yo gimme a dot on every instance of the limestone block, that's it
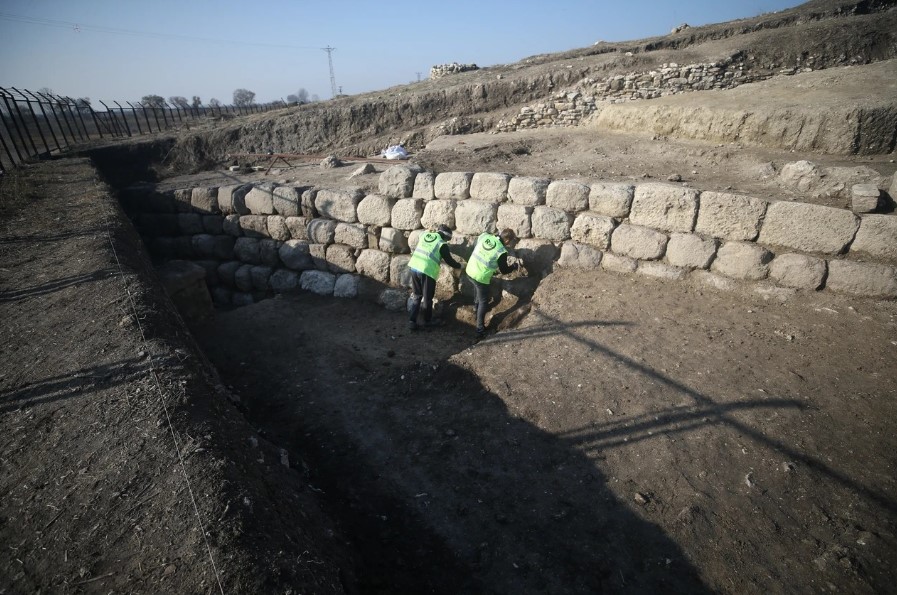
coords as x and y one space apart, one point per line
247 250
294 254
740 260
438 212
209 246
242 298
618 264
473 217
664 207
346 286
231 226
340 258
593 229
713 280
551 224
284 281
399 273
376 209
181 199
517 218
162 224
730 216
865 279
204 199
398 181
892 189
423 186
268 252
317 282
288 201
321 231
611 199
189 223
413 237
638 242
538 256
452 185
351 234
406 213
523 190
227 270
213 224
373 264
798 271
489 187
660 270
307 203
567 195
318 253
393 300
254 226
579 256
446 283
277 228
877 237
298 227
260 200
372 233
864 198
808 228
340 205
690 251
232 199
243 277
393 240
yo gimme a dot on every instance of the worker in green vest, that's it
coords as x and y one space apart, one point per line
424 266
490 255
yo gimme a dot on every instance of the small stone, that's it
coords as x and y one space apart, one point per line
788 467
450 432
864 538
170 569
640 498
674 178
749 480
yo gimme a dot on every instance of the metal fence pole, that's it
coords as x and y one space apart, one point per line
34 117
164 118
12 160
123 117
11 140
96 122
56 117
66 120
155 117
137 118
24 125
6 97
77 109
176 111
40 104
111 115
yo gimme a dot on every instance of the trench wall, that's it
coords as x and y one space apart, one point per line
252 240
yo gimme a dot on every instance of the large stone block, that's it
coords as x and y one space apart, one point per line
254 226
247 250
260 200
205 200
399 273
808 228
730 216
798 271
181 198
567 195
284 281
346 286
298 227
593 229
473 217
579 256
452 185
321 231
638 242
227 270
190 223
398 181
373 264
517 218
351 234
277 228
660 270
859 278
551 224
243 277
740 260
864 198
424 186
690 251
538 256
340 205
318 282
438 212
527 191
446 283
318 253
489 187
308 203
406 213
268 252
376 209
232 199
209 246
231 225
288 201
664 207
877 237
294 254
611 199
392 240
708 279
618 264
340 258
213 224
260 276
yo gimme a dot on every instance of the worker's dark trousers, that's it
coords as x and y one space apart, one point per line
422 288
482 303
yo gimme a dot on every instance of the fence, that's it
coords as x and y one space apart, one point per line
38 125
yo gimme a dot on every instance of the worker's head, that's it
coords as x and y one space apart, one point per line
444 231
508 237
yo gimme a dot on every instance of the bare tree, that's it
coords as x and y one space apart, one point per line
197 102
301 96
214 102
244 97
153 101
178 101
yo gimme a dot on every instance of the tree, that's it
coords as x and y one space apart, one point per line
177 101
46 91
82 104
153 101
197 102
301 96
243 97
214 102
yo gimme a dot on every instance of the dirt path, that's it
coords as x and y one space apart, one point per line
629 436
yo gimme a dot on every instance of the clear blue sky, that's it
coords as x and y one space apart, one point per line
125 49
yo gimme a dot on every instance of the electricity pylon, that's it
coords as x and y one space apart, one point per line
329 51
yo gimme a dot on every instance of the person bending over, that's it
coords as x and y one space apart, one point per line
490 255
424 266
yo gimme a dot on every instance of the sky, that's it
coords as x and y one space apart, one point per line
126 49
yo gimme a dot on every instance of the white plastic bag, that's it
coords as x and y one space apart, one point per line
395 152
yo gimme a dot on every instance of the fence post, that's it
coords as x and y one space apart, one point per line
155 116
96 122
65 119
124 117
137 118
58 123
164 117
24 125
77 109
11 139
176 111
12 160
111 115
6 96
34 117
46 118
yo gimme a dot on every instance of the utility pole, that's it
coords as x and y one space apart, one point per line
329 51
418 76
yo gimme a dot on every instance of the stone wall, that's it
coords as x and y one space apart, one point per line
441 70
255 240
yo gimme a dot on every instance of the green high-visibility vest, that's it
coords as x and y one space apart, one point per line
425 258
483 262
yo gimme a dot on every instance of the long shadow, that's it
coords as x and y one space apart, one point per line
28 239
55 285
720 414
